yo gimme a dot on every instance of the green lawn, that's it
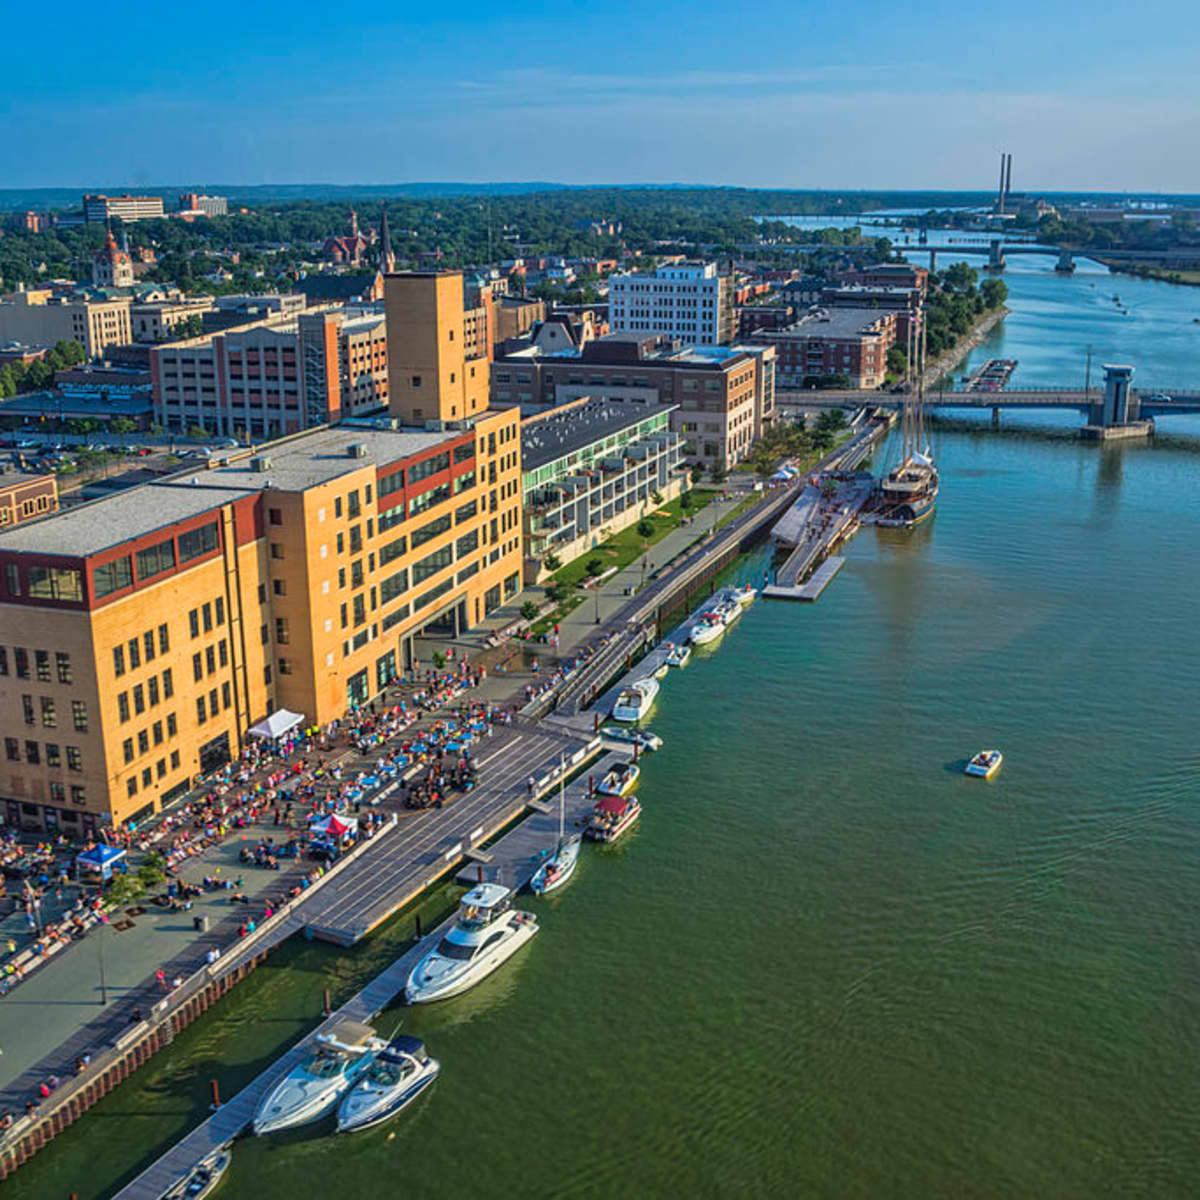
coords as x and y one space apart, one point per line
623 548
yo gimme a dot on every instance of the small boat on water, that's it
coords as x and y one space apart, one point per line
402 1070
612 816
635 701
560 863
201 1180
708 628
660 672
746 595
619 781
313 1087
678 656
985 764
642 738
487 933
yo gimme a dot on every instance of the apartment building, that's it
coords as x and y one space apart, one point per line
102 209
142 635
272 378
209 206
829 342
905 302
590 468
888 275
722 396
439 347
689 301
38 317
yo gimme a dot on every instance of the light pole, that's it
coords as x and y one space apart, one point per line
100 951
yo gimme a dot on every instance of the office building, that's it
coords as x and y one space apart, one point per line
830 343
38 317
591 468
208 206
26 497
142 635
102 209
157 320
688 301
272 378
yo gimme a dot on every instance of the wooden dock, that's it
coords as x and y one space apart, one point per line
234 1115
813 587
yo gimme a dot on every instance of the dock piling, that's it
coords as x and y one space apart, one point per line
328 1003
216 1094
418 922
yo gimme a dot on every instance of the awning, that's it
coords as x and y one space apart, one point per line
612 804
100 858
276 725
334 825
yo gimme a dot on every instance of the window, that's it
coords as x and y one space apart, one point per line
172 725
463 453
12 577
285 666
210 659
343 616
49 719
393 481
131 786
430 530
201 711
31 753
55 583
419 504
12 749
464 481
63 664
432 563
135 655
416 381
3 660
160 767
123 706
353 508
214 706
156 559
355 539
74 759
429 466
356 573
152 690
148 645
281 630
147 778
341 542
53 755
277 587
206 617
168 684
127 749
158 733
143 741
465 512
276 550
164 641
430 596
113 576
393 586
225 694
27 707
42 658
58 793
175 759
219 605
337 506
139 699
21 659
223 652
79 715
360 610
197 542
194 622
391 518
467 543
197 667
275 516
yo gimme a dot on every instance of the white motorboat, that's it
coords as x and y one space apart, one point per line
559 864
635 701
708 628
612 816
678 656
487 933
746 595
729 611
400 1072
201 1180
619 780
313 1087
642 738
985 764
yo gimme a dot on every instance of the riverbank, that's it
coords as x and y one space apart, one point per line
945 363
1147 271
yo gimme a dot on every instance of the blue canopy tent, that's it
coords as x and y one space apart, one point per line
99 860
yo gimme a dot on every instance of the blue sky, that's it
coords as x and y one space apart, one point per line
853 94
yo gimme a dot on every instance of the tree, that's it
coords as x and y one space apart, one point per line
822 440
121 425
558 592
718 473
594 566
897 360
994 292
197 431
645 529
439 660
529 610
686 501
552 562
124 889
832 419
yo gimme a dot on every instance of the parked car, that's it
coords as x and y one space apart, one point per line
1160 398
28 445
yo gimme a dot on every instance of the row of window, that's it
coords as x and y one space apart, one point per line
148 776
51 751
138 648
49 711
206 663
41 661
145 696
207 615
144 736
218 700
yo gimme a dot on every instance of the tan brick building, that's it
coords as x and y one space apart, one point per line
141 635
26 497
39 318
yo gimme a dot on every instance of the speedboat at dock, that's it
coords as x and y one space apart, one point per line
642 738
486 934
729 611
985 764
400 1072
612 816
746 595
620 780
677 656
202 1179
635 701
707 628
313 1087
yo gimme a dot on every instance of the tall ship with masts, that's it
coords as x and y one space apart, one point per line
908 494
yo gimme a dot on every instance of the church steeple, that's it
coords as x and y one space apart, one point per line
387 260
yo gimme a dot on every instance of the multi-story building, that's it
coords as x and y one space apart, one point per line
516 316
157 320
904 302
692 302
589 469
889 275
210 206
38 317
142 635
829 342
29 221
112 266
102 208
27 496
438 348
723 396
272 378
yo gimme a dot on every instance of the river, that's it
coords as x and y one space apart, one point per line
826 963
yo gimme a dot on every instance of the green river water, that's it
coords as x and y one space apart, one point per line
826 963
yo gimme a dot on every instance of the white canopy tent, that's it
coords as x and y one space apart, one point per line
276 725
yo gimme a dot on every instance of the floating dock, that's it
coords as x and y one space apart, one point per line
815 585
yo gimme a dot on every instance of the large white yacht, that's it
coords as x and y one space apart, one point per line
313 1087
487 933
400 1072
635 701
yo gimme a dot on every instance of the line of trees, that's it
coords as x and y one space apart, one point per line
16 378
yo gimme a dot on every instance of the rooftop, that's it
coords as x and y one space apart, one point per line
295 464
828 323
562 432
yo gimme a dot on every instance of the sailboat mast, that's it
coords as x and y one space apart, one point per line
920 446
562 797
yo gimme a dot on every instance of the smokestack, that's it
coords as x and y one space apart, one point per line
1008 179
1000 193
